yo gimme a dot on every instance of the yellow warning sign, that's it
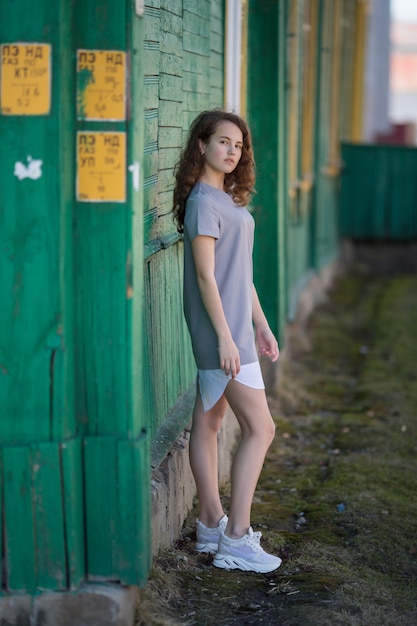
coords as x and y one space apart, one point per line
101 166
25 78
101 85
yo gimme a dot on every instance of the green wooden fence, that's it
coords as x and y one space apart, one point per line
379 192
74 472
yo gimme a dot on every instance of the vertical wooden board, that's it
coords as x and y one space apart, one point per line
2 547
148 387
137 129
19 523
265 45
101 325
101 26
101 512
134 531
48 517
64 423
100 261
34 163
325 234
29 262
73 502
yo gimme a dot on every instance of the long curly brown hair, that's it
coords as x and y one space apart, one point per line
239 183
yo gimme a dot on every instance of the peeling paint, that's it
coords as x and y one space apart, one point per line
31 170
84 78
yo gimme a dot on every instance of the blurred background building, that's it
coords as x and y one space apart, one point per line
402 107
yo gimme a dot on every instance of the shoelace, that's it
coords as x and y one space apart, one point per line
254 540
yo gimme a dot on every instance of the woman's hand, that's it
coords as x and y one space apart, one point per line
229 357
267 344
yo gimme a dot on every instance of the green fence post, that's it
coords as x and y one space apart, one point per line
37 426
266 115
108 266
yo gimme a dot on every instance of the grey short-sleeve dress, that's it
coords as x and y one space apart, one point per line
212 212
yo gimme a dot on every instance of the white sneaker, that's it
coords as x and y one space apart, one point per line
246 554
208 538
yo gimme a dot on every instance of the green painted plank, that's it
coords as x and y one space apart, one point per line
134 309
73 505
2 535
48 517
173 6
198 7
217 10
150 161
194 82
29 272
100 261
150 195
100 25
152 24
101 512
101 276
134 546
216 63
19 523
62 371
170 137
167 182
191 64
167 160
36 223
169 111
151 56
196 24
151 91
265 46
216 43
196 43
171 64
170 87
171 23
170 44
151 129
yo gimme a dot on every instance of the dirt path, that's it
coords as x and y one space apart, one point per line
337 497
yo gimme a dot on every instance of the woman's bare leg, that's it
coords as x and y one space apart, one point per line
258 429
204 459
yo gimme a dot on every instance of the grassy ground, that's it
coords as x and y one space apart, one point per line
337 496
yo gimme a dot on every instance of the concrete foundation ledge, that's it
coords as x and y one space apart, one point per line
173 488
91 605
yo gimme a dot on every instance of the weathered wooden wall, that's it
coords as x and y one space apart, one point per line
183 47
94 352
72 438
42 537
300 90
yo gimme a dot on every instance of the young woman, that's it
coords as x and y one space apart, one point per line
214 181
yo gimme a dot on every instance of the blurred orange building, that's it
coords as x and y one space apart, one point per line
403 84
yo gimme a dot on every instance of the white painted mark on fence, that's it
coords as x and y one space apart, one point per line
31 170
135 169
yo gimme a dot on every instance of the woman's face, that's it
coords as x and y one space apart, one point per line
223 150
